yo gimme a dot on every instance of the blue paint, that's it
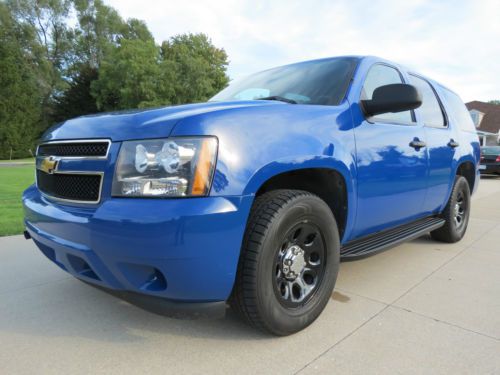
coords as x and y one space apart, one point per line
195 242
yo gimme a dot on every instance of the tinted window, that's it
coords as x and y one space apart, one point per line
380 75
322 82
430 110
458 111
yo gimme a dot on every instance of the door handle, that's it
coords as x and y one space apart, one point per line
417 144
453 144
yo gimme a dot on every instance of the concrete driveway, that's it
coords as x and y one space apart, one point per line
422 307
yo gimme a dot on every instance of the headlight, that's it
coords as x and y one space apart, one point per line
173 167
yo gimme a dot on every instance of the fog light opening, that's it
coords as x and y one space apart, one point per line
156 282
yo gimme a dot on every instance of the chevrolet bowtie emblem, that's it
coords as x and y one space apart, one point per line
48 164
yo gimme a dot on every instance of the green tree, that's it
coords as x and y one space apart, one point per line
136 29
53 68
103 39
130 77
200 67
77 99
20 98
497 102
138 73
49 40
99 29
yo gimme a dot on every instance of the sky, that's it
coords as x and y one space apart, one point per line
454 42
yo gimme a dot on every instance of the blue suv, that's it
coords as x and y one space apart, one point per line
254 197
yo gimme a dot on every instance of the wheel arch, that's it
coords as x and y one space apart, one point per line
331 181
464 167
467 169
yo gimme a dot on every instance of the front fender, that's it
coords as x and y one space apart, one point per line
284 165
256 143
296 163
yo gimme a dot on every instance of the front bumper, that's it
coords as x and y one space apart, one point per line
181 250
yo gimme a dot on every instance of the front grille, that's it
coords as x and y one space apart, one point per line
75 187
76 149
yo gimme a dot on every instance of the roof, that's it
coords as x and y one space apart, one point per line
491 120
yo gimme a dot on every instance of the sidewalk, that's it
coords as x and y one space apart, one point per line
14 163
422 307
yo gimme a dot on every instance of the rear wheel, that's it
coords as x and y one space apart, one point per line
456 213
289 262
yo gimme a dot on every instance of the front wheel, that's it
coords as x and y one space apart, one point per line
456 213
289 262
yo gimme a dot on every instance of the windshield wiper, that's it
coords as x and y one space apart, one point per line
279 98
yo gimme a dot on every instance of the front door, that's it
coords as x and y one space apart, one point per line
391 162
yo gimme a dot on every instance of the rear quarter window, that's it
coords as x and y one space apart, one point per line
458 111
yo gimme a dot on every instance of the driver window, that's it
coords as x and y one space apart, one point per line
380 75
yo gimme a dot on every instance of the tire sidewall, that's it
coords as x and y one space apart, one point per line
461 184
303 208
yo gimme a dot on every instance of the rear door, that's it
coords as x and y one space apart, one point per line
442 144
391 173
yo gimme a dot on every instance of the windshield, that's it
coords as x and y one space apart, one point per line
322 82
491 150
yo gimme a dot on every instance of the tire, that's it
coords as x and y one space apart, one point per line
456 213
289 262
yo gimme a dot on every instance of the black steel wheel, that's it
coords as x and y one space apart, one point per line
299 265
460 210
289 262
456 213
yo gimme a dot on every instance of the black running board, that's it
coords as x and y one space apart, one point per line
386 239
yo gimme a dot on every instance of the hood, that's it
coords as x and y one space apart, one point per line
139 124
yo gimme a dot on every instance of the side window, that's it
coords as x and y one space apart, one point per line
430 110
381 75
457 109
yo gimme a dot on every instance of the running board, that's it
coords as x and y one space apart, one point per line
380 241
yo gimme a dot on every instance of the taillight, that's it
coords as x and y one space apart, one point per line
498 159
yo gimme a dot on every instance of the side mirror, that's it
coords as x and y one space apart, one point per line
397 97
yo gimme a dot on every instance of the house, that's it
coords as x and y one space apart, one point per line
486 118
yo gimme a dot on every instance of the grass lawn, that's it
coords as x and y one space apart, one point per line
13 180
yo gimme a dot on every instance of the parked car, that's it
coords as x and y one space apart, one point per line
253 198
490 160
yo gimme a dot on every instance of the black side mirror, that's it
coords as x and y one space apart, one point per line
397 97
